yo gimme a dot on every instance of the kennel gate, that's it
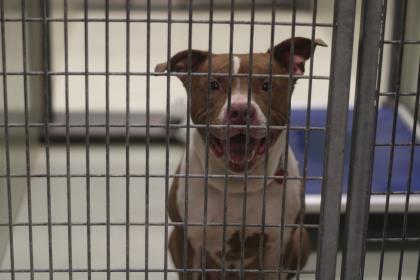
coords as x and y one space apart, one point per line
36 72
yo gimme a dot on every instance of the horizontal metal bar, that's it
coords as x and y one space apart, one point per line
155 224
396 144
393 239
394 192
142 175
140 20
405 42
274 127
393 93
155 74
161 270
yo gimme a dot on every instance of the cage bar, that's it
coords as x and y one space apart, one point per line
7 145
362 151
147 189
167 139
338 100
129 127
87 141
127 135
395 84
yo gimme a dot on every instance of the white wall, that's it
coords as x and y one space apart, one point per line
158 47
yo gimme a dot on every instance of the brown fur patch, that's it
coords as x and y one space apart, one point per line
252 246
297 254
176 239
176 248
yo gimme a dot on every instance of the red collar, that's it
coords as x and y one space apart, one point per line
280 172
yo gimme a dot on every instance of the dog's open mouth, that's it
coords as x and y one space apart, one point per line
240 152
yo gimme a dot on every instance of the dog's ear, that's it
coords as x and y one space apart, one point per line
179 62
302 52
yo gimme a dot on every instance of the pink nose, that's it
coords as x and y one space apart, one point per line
239 113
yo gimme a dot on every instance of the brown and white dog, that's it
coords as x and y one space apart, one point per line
287 253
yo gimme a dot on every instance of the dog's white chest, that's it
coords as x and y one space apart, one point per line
220 222
225 215
229 209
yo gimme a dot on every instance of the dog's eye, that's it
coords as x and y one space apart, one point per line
265 86
214 85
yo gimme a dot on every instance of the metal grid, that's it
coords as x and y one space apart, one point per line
335 131
395 85
371 91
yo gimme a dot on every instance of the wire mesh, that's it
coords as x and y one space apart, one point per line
395 229
81 166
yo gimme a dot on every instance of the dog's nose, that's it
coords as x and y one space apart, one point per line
239 113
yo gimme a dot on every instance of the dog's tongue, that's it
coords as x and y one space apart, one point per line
237 149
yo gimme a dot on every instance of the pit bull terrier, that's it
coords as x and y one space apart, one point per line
251 247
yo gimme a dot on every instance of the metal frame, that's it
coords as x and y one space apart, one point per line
368 92
364 127
341 60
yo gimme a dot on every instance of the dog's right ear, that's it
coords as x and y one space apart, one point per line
302 52
179 62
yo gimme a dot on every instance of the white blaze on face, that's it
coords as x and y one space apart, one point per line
240 96
236 64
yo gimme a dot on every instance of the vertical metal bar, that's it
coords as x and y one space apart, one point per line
363 143
338 99
227 146
68 179
187 153
87 143
381 57
268 130
27 144
7 142
393 134
127 141
245 197
410 176
286 144
398 17
206 162
47 115
307 131
146 236
418 255
107 144
167 140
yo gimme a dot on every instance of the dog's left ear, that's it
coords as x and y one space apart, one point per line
302 52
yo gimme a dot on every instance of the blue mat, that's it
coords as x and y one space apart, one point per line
400 172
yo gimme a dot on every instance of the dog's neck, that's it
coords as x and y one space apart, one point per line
276 155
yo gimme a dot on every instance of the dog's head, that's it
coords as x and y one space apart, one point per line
257 112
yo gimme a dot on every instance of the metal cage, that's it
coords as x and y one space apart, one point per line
79 185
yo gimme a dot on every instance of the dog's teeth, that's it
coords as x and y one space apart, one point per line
252 154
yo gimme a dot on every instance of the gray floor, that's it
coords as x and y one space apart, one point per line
117 214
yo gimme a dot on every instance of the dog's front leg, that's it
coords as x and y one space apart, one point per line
271 262
184 259
196 261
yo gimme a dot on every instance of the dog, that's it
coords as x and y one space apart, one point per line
263 250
